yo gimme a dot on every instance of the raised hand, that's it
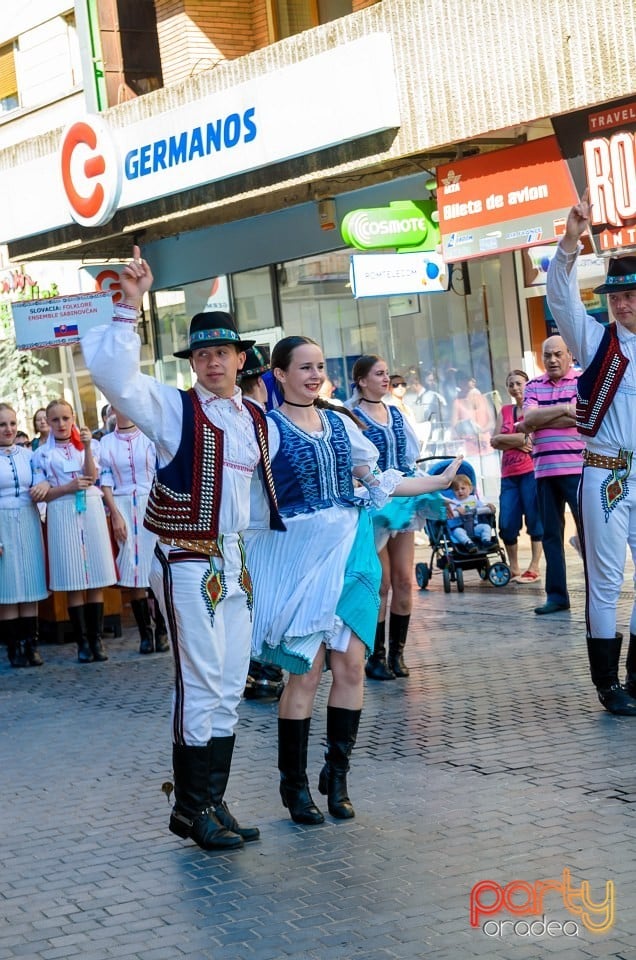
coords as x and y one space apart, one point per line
578 218
136 278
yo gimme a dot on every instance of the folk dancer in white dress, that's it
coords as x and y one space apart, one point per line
128 462
316 587
78 544
211 445
606 394
398 447
22 568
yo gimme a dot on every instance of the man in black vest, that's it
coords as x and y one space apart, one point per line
212 458
605 416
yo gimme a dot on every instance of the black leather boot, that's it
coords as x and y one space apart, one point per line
141 613
630 680
95 630
293 739
15 644
375 667
162 643
77 616
220 760
192 816
29 627
342 731
604 656
398 629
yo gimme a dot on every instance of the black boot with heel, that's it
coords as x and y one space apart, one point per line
293 740
77 616
95 630
342 732
398 629
376 667
141 613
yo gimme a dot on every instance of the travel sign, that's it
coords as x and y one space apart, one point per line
599 145
403 225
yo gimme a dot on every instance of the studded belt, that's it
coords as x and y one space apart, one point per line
210 548
604 462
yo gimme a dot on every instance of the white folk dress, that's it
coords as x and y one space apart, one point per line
22 568
319 581
77 539
128 461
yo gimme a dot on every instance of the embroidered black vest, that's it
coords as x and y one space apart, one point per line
597 385
185 499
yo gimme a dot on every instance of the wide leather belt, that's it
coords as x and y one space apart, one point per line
210 548
604 462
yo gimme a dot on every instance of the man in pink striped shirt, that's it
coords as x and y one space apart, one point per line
549 406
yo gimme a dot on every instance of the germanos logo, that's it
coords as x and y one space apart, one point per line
91 172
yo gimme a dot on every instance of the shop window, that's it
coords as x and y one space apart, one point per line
253 300
294 16
8 82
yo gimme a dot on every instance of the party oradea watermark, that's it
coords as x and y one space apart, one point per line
520 908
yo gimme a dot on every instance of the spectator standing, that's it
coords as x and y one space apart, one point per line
40 428
518 495
549 413
605 417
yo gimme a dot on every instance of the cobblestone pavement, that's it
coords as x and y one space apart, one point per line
494 760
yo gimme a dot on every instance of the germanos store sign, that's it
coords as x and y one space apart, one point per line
504 200
600 147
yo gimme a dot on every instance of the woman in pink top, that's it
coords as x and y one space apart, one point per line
518 496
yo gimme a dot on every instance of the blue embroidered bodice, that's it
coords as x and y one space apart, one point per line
312 472
390 439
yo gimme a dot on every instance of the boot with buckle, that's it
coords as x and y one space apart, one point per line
604 655
192 816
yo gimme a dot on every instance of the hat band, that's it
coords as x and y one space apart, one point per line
216 334
627 278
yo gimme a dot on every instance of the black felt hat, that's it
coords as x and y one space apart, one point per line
255 363
211 330
621 276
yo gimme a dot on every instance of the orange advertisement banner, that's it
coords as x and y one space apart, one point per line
504 200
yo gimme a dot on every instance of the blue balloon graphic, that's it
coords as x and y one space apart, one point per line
432 270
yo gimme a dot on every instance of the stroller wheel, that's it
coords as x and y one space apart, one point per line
499 574
459 577
422 575
446 576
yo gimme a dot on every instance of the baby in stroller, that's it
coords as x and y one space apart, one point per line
468 516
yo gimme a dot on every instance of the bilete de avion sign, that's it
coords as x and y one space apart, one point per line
599 145
403 225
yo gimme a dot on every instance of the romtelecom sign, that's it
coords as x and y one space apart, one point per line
404 224
103 168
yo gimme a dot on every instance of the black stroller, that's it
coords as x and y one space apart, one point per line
454 558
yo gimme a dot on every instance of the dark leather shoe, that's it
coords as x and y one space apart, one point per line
377 669
617 700
551 607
